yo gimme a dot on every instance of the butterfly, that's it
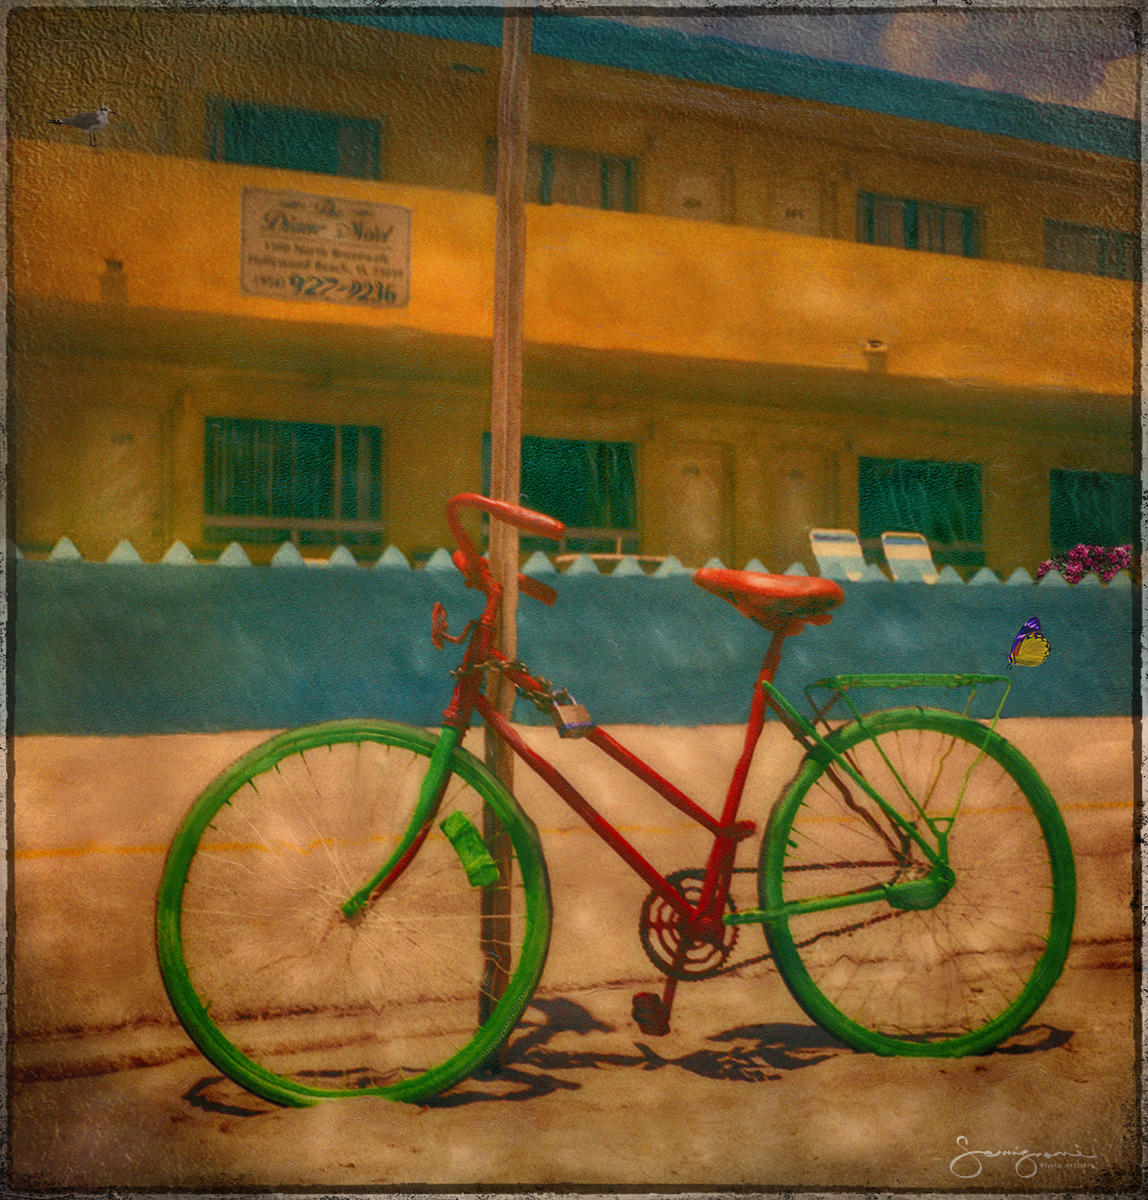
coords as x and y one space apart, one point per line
1030 647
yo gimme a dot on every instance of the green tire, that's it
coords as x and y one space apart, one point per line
295 1001
952 979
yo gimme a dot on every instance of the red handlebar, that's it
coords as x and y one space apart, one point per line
512 514
473 565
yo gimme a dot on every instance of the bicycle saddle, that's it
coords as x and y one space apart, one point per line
780 603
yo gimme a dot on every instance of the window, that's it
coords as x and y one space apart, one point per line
941 500
1093 507
579 177
293 138
589 486
917 225
267 481
1091 251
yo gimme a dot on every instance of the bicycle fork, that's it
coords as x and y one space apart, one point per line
480 867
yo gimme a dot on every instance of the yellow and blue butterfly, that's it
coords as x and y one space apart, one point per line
1030 647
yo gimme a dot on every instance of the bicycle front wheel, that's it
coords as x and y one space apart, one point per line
940 972
296 1001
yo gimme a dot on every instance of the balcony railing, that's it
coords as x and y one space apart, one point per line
223 527
602 546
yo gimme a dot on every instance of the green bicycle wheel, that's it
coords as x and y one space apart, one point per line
297 1002
963 970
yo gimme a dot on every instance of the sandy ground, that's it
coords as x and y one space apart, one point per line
107 1092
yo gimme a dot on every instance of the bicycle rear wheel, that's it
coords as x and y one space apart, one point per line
297 1002
953 978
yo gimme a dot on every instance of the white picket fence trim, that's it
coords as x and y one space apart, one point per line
538 564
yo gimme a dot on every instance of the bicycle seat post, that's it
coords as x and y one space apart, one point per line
772 658
754 724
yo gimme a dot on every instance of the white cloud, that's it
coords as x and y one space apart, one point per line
1117 90
1083 54
912 40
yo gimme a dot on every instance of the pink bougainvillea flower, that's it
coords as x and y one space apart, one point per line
1074 564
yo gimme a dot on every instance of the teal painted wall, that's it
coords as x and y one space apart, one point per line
126 649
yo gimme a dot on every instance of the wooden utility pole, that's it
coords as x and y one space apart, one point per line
509 287
506 450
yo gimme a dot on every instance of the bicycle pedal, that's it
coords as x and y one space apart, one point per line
649 1014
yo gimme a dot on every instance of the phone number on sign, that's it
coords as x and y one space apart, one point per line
322 287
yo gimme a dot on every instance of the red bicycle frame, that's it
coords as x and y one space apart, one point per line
702 920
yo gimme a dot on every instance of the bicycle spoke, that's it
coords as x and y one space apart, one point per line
300 990
975 954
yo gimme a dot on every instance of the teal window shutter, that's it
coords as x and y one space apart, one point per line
941 500
912 225
293 470
972 233
1097 508
546 183
293 139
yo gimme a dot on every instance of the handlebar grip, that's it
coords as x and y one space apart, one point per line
529 521
523 518
537 589
478 575
474 566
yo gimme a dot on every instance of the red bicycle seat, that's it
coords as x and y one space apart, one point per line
780 603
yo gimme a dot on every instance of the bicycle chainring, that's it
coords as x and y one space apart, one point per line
660 929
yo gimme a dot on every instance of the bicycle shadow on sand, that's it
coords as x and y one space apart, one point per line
531 1065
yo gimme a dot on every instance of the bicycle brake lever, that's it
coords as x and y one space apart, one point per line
439 632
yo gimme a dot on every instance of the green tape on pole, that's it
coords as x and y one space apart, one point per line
481 869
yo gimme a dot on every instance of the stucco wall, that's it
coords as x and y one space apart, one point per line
115 649
602 281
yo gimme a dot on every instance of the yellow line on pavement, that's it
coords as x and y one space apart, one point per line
51 852
78 851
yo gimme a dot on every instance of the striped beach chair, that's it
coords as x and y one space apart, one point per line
909 557
838 553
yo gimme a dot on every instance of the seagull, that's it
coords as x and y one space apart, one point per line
91 122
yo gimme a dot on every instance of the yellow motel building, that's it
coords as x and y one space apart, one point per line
764 293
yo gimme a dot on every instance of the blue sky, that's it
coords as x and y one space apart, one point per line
1079 52
1085 55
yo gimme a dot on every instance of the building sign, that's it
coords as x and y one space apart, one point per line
297 246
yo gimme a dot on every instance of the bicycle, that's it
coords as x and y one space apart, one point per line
362 908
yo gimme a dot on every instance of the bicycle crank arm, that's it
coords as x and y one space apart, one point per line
911 895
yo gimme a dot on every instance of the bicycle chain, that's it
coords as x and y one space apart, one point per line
844 929
543 699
